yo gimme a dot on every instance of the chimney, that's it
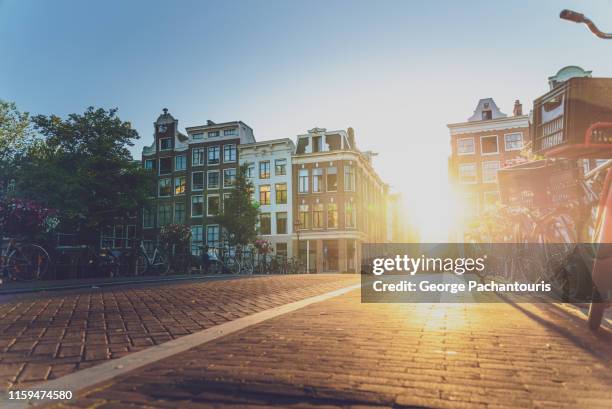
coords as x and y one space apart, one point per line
518 108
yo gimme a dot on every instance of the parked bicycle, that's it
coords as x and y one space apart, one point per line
155 263
22 261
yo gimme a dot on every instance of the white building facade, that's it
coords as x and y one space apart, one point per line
270 170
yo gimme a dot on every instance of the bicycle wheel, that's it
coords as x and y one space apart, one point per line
160 264
28 262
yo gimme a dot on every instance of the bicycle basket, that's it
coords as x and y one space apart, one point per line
540 184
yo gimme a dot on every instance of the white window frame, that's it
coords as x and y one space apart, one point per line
198 136
213 134
176 168
191 207
235 175
472 152
230 132
307 189
160 144
471 164
218 233
171 179
193 188
174 185
217 195
506 141
208 186
201 163
208 149
496 141
484 171
235 149
284 166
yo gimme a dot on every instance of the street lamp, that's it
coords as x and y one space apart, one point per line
576 17
296 226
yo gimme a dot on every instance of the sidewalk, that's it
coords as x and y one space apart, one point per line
342 353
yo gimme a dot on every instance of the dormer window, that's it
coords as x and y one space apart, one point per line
165 144
487 115
197 136
213 134
230 132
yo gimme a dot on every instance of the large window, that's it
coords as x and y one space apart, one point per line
165 144
165 166
197 181
212 235
164 214
332 215
148 219
229 177
180 162
213 179
264 195
318 216
213 134
332 179
250 171
213 205
165 187
281 223
304 217
197 238
229 153
465 146
230 132
149 164
180 184
197 206
280 167
349 178
264 169
513 141
467 173
317 180
265 223
489 171
213 155
197 136
179 213
350 215
488 145
197 157
303 181
281 193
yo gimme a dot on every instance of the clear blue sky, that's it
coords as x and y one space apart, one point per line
395 71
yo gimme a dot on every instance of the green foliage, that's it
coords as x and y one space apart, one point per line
15 138
84 168
239 214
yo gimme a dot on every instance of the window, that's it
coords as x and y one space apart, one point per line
197 206
466 146
250 170
180 184
264 195
280 167
213 134
264 170
304 217
317 144
197 236
281 249
148 219
212 235
488 145
165 166
180 162
213 179
317 180
165 187
281 193
149 164
317 216
213 205
179 213
332 179
213 155
332 215
197 157
489 171
513 141
467 173
349 178
229 177
281 223
164 214
229 153
165 144
197 181
197 136
350 215
303 181
230 132
265 223
487 115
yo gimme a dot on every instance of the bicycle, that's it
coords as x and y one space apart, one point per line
23 261
157 263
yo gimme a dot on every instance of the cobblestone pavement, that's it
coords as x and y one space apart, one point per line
46 336
341 353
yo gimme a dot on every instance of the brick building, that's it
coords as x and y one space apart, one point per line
339 200
486 142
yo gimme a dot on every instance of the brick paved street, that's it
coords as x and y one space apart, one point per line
46 336
341 353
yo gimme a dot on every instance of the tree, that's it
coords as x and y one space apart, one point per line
15 138
84 169
239 214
